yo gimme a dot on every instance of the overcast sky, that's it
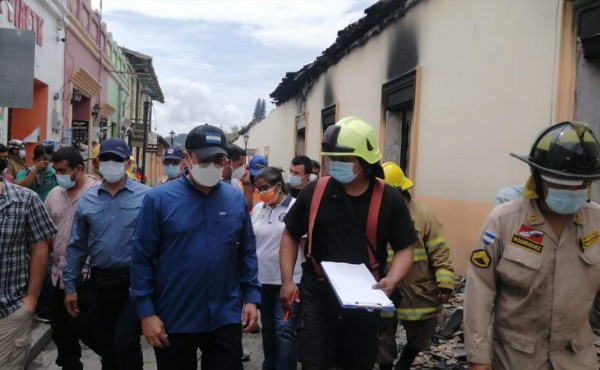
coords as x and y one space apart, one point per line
214 58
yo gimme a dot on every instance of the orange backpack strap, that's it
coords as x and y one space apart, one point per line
372 221
315 203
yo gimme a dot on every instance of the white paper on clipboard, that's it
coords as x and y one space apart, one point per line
353 283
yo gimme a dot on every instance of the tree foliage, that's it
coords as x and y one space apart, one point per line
260 110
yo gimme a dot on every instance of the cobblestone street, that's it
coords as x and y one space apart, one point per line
46 359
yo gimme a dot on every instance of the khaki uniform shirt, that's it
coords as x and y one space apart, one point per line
431 269
535 289
15 164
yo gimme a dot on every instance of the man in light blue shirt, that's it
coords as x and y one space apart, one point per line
193 260
103 231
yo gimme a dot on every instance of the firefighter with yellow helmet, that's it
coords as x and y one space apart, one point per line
331 336
427 285
534 274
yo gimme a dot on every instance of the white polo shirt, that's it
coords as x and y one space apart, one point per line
268 227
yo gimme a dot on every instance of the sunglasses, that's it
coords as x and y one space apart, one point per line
111 157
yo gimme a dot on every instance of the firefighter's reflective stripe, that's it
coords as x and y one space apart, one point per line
437 243
419 254
444 276
415 314
387 314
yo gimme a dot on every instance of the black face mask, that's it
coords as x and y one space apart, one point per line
3 165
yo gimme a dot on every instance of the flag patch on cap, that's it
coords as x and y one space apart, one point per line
488 237
213 138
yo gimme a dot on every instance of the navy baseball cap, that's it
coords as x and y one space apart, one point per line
206 141
257 163
173 153
115 146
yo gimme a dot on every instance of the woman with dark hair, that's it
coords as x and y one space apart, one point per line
278 333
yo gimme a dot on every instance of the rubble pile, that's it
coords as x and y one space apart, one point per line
447 344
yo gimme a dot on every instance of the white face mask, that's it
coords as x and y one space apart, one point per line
313 177
208 176
112 171
239 172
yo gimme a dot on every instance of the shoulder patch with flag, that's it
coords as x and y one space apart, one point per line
488 237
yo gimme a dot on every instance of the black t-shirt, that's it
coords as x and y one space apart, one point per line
291 191
339 233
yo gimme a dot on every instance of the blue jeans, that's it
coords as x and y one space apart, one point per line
279 337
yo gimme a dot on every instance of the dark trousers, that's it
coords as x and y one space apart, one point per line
330 336
43 304
119 340
221 349
64 334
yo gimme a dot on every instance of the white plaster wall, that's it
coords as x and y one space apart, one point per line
488 74
356 87
50 60
487 90
277 132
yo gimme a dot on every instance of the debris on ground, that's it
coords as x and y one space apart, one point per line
447 350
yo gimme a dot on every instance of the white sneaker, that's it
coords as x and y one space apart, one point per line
42 319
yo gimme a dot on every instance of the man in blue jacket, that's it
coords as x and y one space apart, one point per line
194 258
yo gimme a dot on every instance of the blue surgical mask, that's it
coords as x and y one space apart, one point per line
294 180
172 170
65 181
566 202
342 171
22 153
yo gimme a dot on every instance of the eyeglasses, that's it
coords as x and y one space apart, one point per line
265 187
111 157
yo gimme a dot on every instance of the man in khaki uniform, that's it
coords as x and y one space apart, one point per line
427 285
16 157
536 270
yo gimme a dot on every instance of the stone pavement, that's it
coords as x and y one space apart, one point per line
40 337
45 360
